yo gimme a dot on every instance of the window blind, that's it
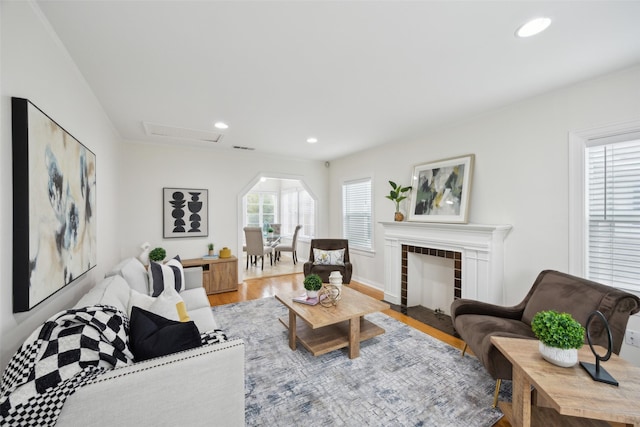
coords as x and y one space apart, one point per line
613 199
307 208
298 207
289 216
356 213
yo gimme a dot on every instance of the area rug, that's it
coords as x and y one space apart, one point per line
402 378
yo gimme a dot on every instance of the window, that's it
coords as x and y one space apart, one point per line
613 213
307 216
298 207
260 209
289 216
356 214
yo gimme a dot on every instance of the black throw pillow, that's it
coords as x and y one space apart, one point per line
152 336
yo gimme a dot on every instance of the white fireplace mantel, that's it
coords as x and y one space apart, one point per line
481 246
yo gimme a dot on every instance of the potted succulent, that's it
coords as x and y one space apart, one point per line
396 195
560 337
312 283
210 248
157 254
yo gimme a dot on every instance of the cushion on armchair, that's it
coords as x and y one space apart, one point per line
322 257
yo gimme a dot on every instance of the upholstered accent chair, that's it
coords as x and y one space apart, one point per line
256 247
290 247
323 268
476 322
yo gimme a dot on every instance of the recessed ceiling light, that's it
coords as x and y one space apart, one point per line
312 140
221 125
533 27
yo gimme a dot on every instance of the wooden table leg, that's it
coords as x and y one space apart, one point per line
354 337
521 399
292 330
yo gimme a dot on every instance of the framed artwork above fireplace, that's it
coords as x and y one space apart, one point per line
441 190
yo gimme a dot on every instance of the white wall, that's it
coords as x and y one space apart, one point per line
520 178
146 169
35 66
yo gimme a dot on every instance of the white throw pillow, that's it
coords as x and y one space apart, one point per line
164 305
139 299
322 257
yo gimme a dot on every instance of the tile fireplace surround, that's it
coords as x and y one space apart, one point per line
481 249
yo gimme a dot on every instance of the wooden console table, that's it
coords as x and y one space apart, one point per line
218 275
571 396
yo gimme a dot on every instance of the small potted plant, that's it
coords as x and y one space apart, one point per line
157 254
560 337
396 195
210 248
312 283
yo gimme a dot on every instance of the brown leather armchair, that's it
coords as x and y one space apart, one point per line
476 322
324 270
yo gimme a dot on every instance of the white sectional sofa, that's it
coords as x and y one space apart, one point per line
197 387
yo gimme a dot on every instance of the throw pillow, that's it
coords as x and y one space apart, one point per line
166 304
138 299
152 336
161 275
322 257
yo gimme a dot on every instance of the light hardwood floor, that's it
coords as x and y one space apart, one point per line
266 287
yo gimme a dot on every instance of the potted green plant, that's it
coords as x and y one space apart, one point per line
157 254
312 283
210 248
560 337
396 195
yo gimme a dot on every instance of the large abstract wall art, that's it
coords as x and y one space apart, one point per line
54 206
441 190
185 212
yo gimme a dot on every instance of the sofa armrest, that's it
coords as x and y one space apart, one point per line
193 387
460 307
192 277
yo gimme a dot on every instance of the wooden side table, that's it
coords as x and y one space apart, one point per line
218 275
572 397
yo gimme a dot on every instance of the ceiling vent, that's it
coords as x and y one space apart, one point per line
239 147
153 129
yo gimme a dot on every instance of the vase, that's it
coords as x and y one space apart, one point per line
210 252
565 358
312 294
398 216
335 278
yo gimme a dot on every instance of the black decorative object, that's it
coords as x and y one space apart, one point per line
54 206
185 212
596 372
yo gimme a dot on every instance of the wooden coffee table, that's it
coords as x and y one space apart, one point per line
571 397
324 329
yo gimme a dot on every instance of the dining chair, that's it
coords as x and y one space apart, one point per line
289 248
255 246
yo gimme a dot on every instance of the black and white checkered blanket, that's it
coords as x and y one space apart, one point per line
69 350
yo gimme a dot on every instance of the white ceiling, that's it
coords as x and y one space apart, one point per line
354 74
